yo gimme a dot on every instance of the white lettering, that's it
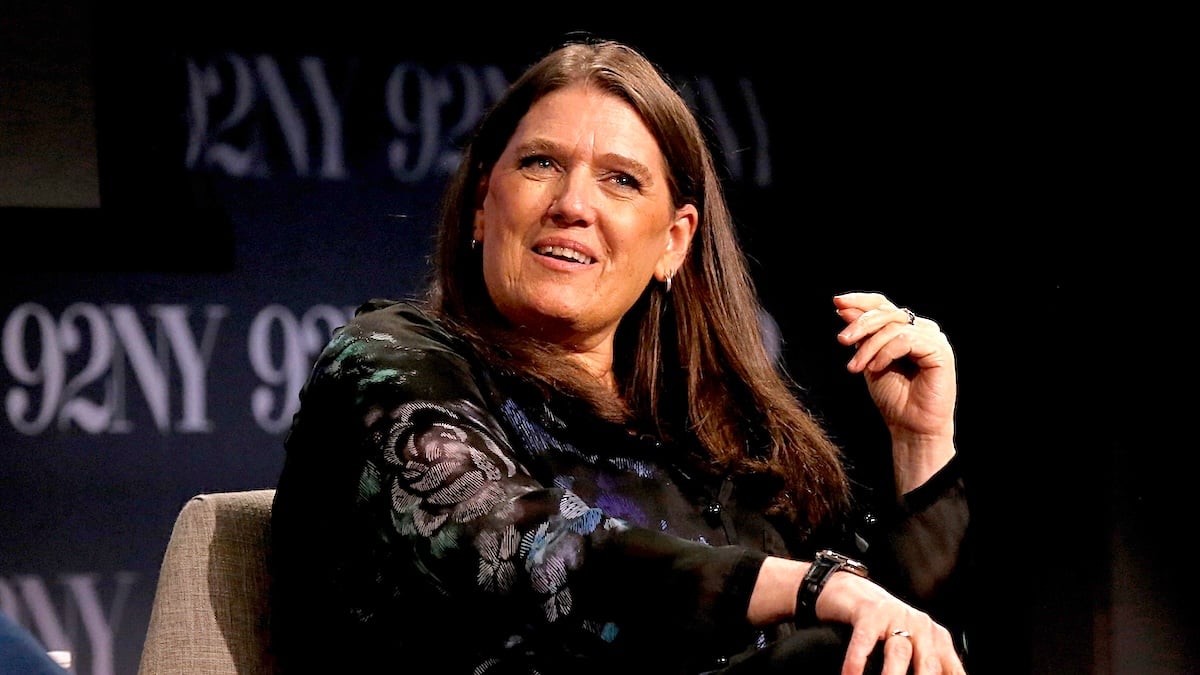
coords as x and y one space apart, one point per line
99 625
78 369
76 409
287 113
329 114
411 156
276 332
208 147
150 364
192 361
234 100
48 372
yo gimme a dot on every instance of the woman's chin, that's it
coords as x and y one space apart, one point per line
555 323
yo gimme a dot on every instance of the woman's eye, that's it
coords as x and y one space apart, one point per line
625 180
537 162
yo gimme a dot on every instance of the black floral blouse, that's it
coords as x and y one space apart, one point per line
431 512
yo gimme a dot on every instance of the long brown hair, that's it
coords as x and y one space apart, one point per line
690 361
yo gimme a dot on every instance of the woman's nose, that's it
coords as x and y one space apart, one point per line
575 201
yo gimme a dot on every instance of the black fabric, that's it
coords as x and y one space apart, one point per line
922 552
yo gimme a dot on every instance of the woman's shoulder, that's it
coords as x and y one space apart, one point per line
391 343
385 330
399 319
407 310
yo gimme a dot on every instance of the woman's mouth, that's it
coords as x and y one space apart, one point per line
563 253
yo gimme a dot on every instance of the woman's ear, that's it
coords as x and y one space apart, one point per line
679 239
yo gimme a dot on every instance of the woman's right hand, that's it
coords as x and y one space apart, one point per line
911 637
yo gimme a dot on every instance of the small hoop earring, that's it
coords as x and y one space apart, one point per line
667 281
474 244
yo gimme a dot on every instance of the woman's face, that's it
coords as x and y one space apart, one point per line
577 217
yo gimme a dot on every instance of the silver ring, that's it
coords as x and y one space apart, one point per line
902 633
912 318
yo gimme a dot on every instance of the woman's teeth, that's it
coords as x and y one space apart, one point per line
564 253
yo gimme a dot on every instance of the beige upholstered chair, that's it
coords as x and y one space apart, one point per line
210 612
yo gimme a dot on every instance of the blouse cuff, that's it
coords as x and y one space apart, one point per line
739 586
947 480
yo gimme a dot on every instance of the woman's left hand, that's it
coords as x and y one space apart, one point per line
909 367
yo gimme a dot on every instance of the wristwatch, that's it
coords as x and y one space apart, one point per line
823 566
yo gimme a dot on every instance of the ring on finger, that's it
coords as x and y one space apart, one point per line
912 318
901 633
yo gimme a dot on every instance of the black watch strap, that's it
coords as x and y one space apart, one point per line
824 564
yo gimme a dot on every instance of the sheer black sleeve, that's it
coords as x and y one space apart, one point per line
920 549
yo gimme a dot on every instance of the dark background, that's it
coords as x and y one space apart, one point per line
1015 177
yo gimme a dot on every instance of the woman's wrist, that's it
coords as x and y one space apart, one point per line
915 460
825 564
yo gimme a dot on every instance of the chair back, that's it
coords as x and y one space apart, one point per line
211 605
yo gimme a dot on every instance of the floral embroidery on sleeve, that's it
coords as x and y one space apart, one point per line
453 484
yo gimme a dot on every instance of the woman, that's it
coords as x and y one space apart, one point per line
576 454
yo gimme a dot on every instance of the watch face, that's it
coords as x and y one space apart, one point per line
844 563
